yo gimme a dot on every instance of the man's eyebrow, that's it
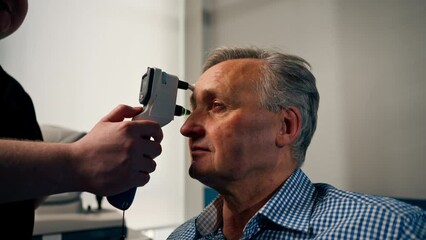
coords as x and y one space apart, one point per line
205 95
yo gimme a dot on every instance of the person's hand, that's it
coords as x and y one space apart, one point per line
117 155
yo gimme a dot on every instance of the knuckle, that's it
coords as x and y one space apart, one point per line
158 150
146 179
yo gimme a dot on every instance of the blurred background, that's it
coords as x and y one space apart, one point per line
79 59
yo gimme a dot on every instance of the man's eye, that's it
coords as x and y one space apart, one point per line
217 106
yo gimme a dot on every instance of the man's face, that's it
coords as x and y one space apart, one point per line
232 138
12 14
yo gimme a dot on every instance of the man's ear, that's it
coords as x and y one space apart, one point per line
291 125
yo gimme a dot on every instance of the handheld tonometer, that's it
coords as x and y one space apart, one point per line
158 96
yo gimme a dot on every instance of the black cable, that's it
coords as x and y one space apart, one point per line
99 200
123 234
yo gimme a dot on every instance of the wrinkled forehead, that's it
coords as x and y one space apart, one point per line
230 78
232 73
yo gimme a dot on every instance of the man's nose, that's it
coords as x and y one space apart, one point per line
192 126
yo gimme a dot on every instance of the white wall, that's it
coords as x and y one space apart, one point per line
79 59
368 58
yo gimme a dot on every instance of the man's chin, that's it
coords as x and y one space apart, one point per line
193 173
197 174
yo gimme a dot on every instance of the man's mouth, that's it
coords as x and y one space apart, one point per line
196 148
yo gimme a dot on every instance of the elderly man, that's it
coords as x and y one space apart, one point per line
254 114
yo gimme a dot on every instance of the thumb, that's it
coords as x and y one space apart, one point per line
121 112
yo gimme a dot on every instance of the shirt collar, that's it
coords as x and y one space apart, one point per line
210 218
290 207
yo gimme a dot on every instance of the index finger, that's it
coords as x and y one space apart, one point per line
121 112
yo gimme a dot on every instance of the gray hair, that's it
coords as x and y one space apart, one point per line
287 81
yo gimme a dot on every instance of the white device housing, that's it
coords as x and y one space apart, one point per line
162 101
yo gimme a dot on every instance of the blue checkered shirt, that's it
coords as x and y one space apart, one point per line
302 210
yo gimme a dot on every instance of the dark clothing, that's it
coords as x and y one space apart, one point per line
17 121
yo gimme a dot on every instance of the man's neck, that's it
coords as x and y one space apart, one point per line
236 218
242 205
